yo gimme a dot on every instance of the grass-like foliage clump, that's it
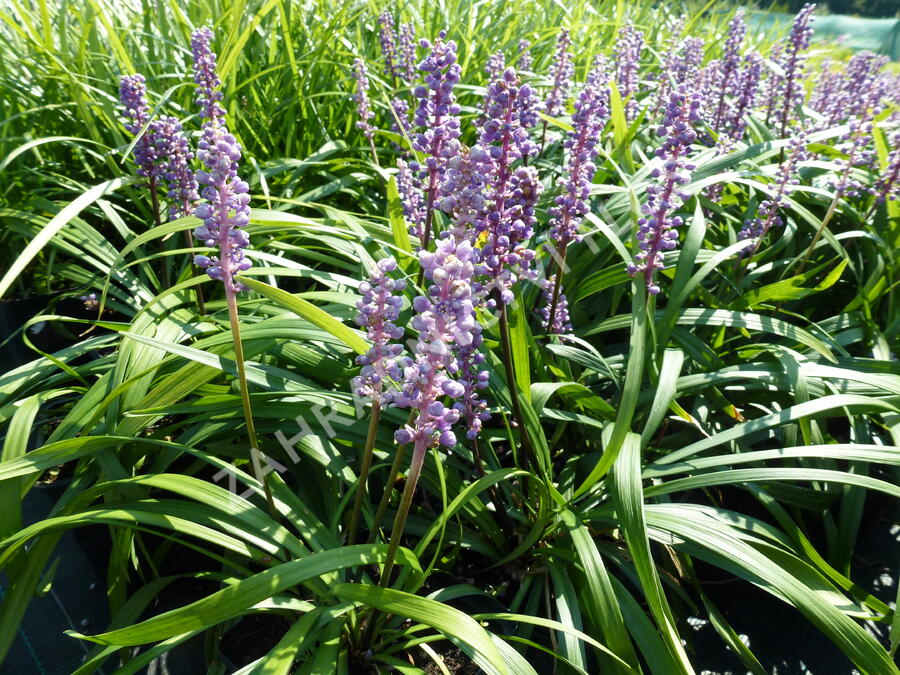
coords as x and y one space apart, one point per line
460 336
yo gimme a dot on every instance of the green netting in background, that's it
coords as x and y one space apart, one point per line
877 35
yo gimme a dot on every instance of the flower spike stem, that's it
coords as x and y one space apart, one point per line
415 470
255 455
365 465
399 456
557 281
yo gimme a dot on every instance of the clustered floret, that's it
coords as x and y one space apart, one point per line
379 308
561 71
656 226
361 74
628 48
767 213
226 211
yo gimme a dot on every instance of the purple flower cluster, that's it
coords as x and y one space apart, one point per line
379 308
147 155
227 210
591 112
628 48
655 227
361 73
163 151
407 53
445 322
854 145
767 213
511 195
728 66
857 91
786 88
180 180
682 65
743 89
523 61
561 71
463 191
410 190
560 323
398 52
438 113
205 76
388 39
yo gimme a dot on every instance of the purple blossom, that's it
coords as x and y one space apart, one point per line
728 67
628 48
180 181
463 191
133 97
205 76
591 112
361 74
682 65
438 113
410 189
523 61
561 71
786 88
767 214
388 40
226 210
148 155
445 322
511 195
407 52
560 323
854 145
745 92
857 91
655 227
379 308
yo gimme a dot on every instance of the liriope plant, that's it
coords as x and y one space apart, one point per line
568 483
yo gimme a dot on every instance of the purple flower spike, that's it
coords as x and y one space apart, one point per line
362 98
150 150
767 214
463 191
438 113
728 67
388 40
226 210
857 91
628 48
561 71
133 96
786 88
682 65
407 67
180 181
523 62
410 189
445 321
208 83
560 324
163 151
656 231
591 112
511 195
378 310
